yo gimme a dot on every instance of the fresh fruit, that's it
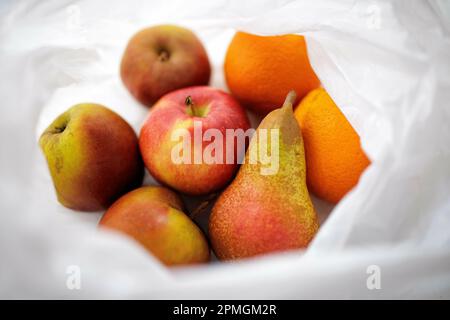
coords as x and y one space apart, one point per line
334 158
161 59
92 155
154 217
259 70
191 113
259 213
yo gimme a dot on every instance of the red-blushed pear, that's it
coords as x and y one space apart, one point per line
161 59
154 217
93 157
262 211
184 139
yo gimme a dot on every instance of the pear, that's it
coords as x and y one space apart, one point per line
260 211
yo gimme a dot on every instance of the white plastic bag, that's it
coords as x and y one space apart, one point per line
386 65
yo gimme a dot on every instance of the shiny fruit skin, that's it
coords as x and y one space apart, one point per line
260 70
153 216
334 157
93 157
161 59
167 116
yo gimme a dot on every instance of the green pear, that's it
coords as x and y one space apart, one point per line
264 210
93 157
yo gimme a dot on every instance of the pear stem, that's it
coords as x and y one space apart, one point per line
290 99
201 208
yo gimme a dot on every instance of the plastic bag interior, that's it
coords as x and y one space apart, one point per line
386 65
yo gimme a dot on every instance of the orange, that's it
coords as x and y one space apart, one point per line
261 70
334 158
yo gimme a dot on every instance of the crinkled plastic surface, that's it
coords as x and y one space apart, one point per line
387 66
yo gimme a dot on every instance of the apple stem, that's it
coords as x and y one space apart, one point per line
290 99
163 55
189 103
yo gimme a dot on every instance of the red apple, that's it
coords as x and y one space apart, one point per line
187 142
161 59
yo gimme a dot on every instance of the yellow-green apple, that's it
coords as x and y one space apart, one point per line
93 157
193 138
154 217
161 59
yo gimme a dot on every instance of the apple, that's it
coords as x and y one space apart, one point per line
154 217
184 140
161 59
93 157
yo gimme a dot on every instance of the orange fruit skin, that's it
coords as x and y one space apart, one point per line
261 70
334 158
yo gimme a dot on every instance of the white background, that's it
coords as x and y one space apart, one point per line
386 64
